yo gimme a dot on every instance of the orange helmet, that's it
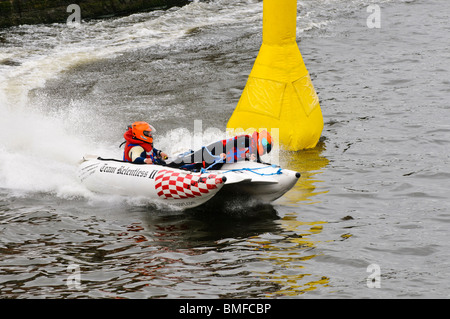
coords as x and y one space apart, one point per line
263 141
142 131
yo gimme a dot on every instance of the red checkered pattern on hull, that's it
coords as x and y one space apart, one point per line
176 185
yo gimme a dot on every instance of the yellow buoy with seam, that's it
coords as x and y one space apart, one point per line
279 92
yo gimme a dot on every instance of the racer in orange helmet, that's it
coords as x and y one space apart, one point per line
139 145
263 141
143 131
231 150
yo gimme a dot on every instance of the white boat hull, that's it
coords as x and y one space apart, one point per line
262 182
170 186
182 188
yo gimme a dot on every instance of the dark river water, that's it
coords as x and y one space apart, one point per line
369 218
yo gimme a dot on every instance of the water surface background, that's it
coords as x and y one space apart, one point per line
374 191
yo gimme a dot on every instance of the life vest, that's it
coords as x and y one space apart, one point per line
132 142
242 147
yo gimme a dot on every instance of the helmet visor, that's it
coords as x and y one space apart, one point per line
149 135
265 146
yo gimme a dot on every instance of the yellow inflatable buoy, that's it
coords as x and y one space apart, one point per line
279 92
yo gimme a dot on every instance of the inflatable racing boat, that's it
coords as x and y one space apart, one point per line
185 188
